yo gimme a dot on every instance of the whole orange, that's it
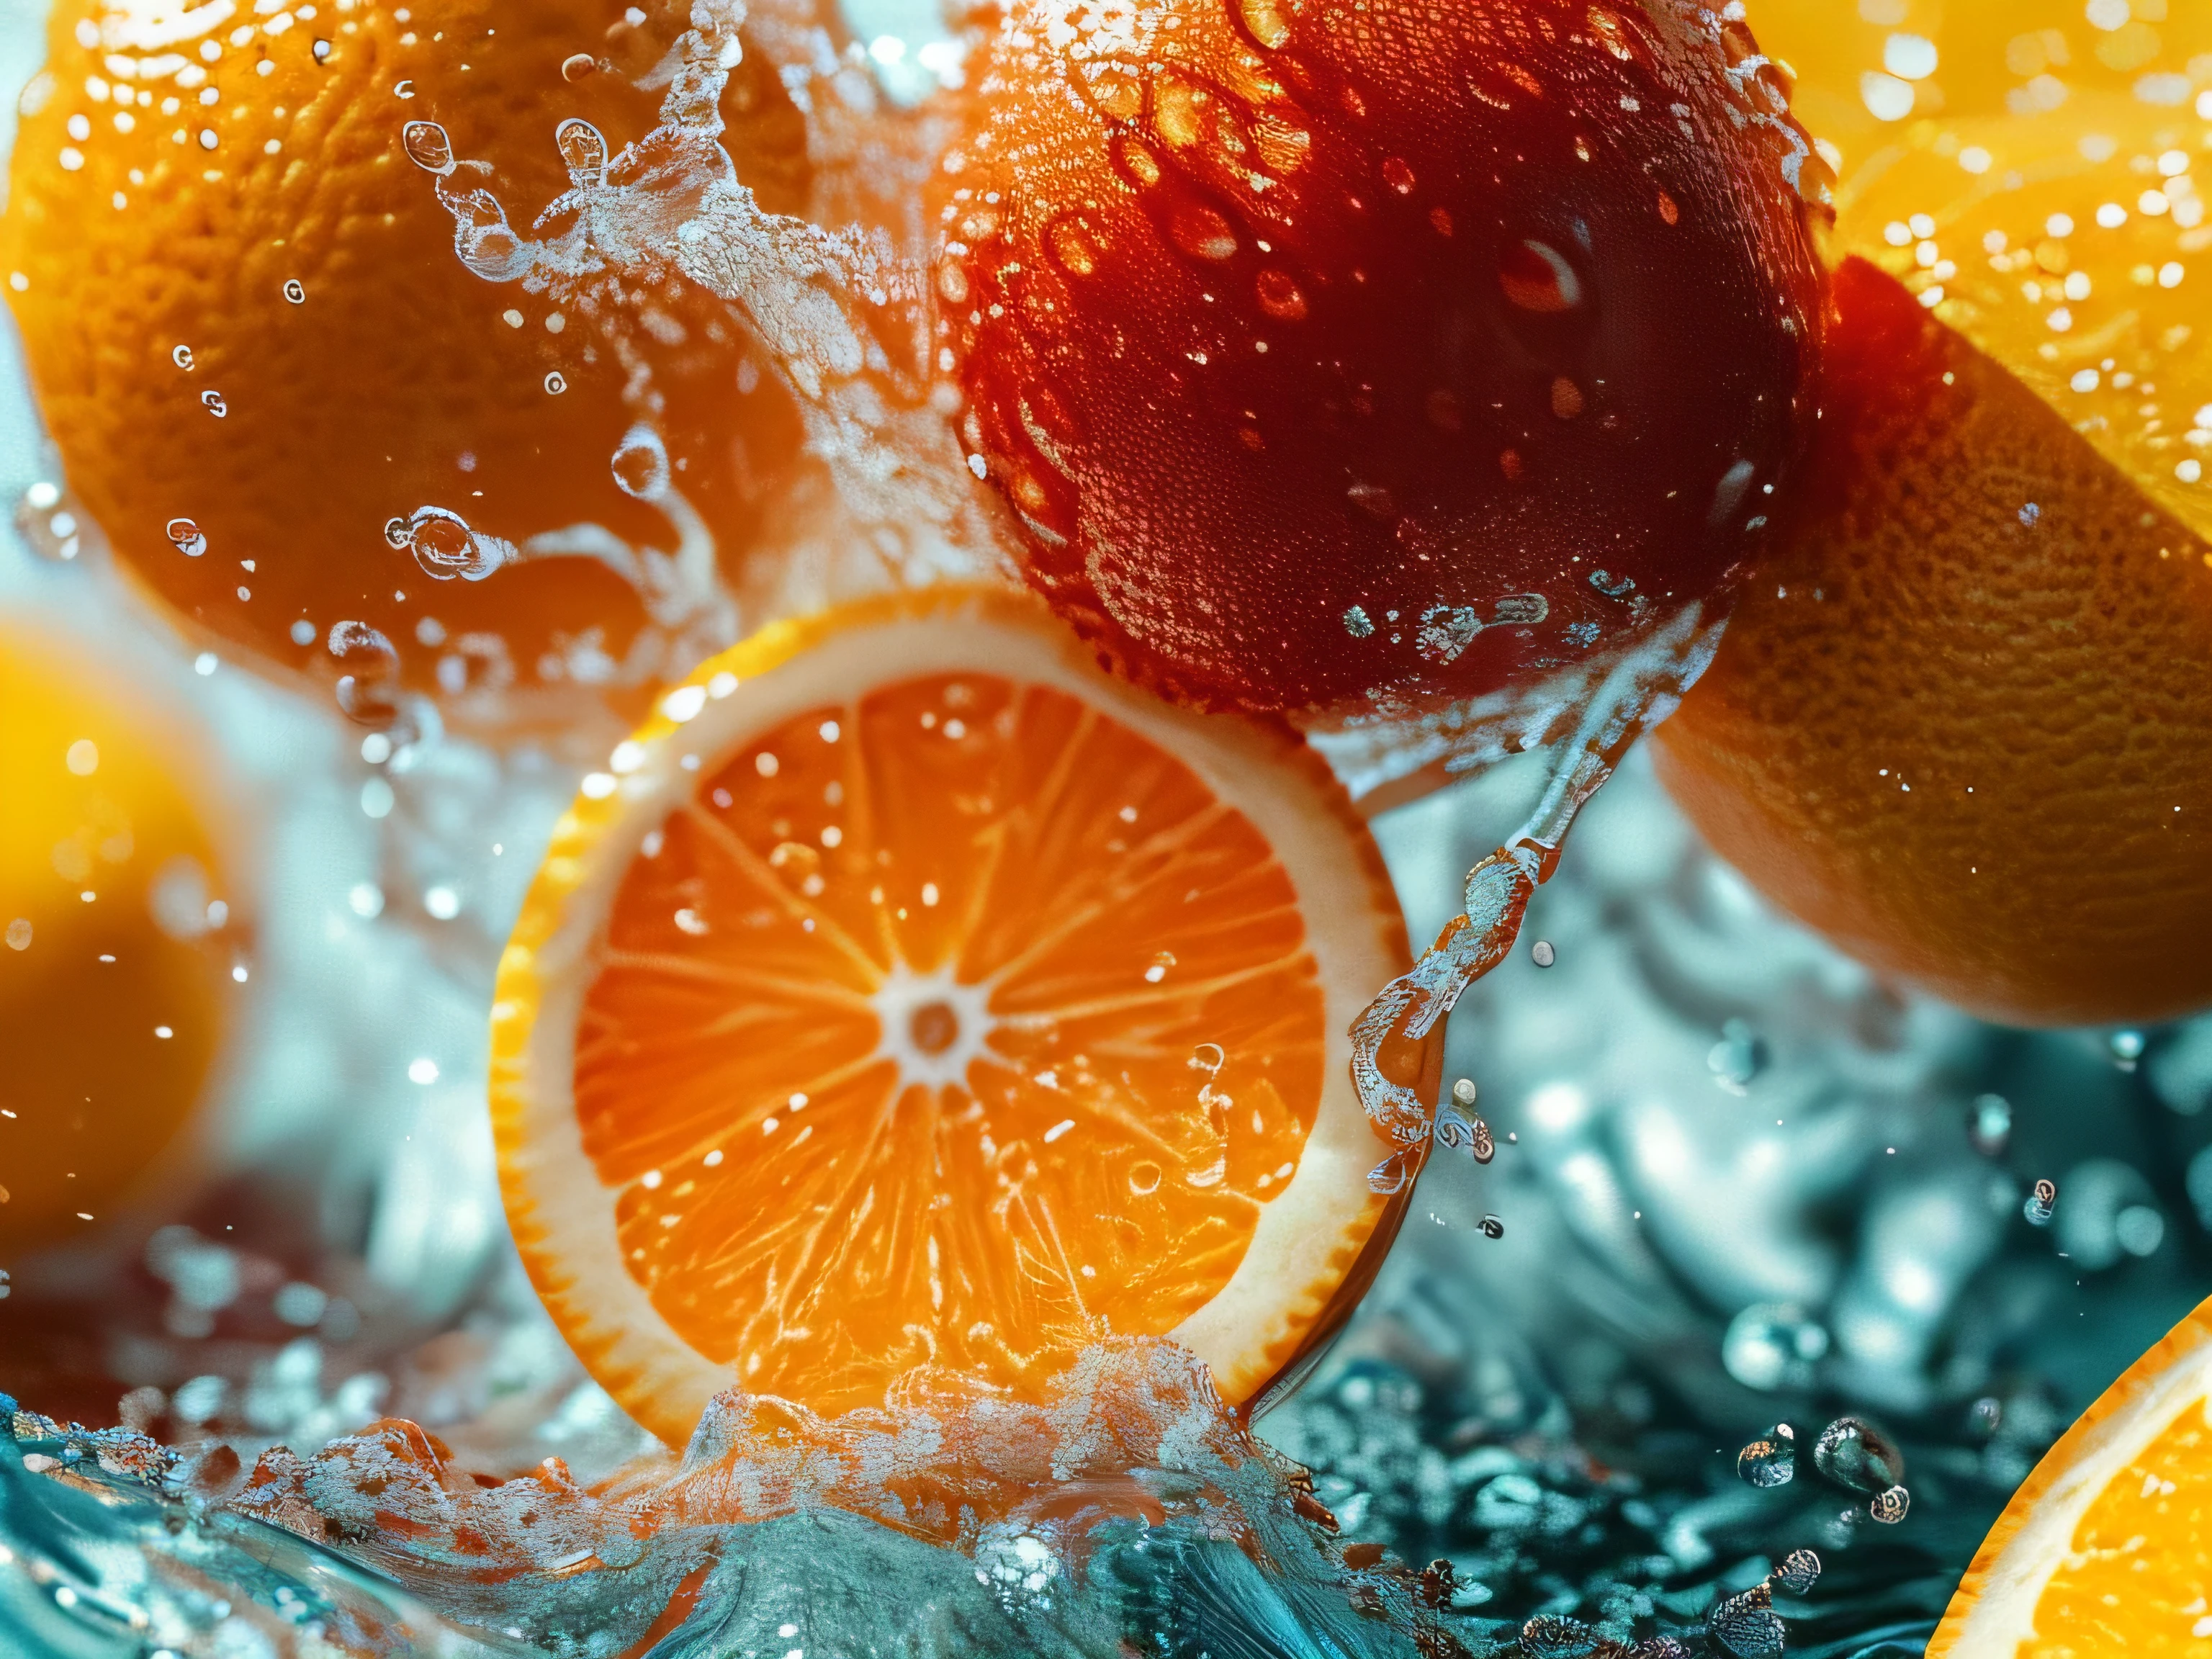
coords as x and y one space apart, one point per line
1960 720
256 346
117 940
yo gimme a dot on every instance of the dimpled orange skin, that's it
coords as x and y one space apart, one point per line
1967 741
396 382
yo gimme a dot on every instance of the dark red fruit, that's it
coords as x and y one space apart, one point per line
1392 350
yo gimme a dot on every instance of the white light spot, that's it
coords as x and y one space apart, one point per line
1886 98
422 1072
1908 56
442 903
83 757
685 702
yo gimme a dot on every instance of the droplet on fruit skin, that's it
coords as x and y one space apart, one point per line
428 147
1371 354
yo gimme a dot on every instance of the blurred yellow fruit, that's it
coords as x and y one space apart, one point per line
115 967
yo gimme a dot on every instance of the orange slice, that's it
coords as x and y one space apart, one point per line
2103 1550
907 993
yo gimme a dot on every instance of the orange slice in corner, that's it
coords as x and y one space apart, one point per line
2103 1550
907 993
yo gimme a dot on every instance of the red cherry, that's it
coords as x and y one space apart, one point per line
1388 351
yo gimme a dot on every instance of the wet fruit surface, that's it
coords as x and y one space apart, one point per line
1958 724
114 969
1326 352
256 347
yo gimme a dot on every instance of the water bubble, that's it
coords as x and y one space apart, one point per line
404 89
1357 623
1464 1093
321 52
556 383
215 406
1613 586
583 150
1769 1461
1888 1506
640 464
187 535
1397 174
395 531
1542 954
1772 1345
181 357
445 546
1989 1124
19 934
1492 1227
1737 1058
1853 1453
366 691
295 290
1537 278
1551 1636
1799 1571
427 145
2041 1204
577 65
1746 1625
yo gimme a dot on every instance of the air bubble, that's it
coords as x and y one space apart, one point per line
187 535
321 52
1542 954
577 66
295 290
583 150
556 383
2041 1204
215 406
640 464
365 689
1769 1461
181 357
1989 1124
427 145
445 546
1492 1227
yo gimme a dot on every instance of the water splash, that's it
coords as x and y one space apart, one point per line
1639 689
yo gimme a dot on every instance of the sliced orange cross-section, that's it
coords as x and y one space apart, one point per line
907 993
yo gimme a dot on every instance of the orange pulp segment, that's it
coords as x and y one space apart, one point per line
926 998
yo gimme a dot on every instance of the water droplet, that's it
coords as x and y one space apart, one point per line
1398 175
1280 297
1668 210
215 406
186 534
1746 1625
1201 233
1356 625
1265 22
1738 1057
321 51
404 89
181 357
295 290
1888 1506
1566 398
445 546
583 150
19 934
556 383
575 67
1613 586
1853 1453
1138 164
2041 1204
640 464
1542 954
1463 1092
1492 1227
1989 1124
1550 1636
1073 249
1771 1460
427 145
1537 278
1799 1571
366 691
